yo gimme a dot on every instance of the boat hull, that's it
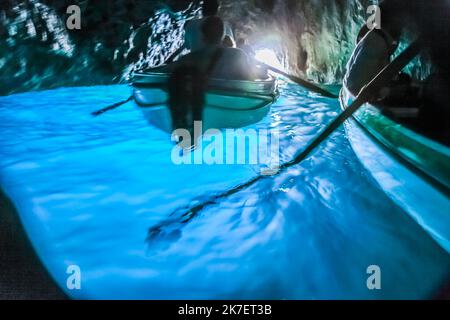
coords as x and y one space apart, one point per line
405 170
229 104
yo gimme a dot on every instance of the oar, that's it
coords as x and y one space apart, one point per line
99 112
304 83
111 107
368 92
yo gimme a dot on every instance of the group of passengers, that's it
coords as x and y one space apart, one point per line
213 53
375 49
213 49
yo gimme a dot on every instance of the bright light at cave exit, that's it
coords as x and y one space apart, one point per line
269 57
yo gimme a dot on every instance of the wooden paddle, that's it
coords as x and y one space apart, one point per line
111 107
116 105
304 83
368 92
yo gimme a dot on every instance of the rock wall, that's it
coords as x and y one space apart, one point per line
313 38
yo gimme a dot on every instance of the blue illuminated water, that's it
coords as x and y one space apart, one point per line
89 189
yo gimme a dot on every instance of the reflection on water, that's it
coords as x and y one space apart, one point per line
90 189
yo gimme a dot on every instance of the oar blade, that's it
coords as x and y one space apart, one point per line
302 82
111 107
385 75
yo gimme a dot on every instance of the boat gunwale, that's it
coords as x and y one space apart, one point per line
264 90
269 98
263 87
392 150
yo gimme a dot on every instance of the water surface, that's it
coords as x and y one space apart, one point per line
89 190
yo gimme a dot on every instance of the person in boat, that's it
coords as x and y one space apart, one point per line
375 48
215 60
373 52
193 29
193 38
189 76
228 42
242 44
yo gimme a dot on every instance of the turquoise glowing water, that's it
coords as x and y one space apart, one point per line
89 189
